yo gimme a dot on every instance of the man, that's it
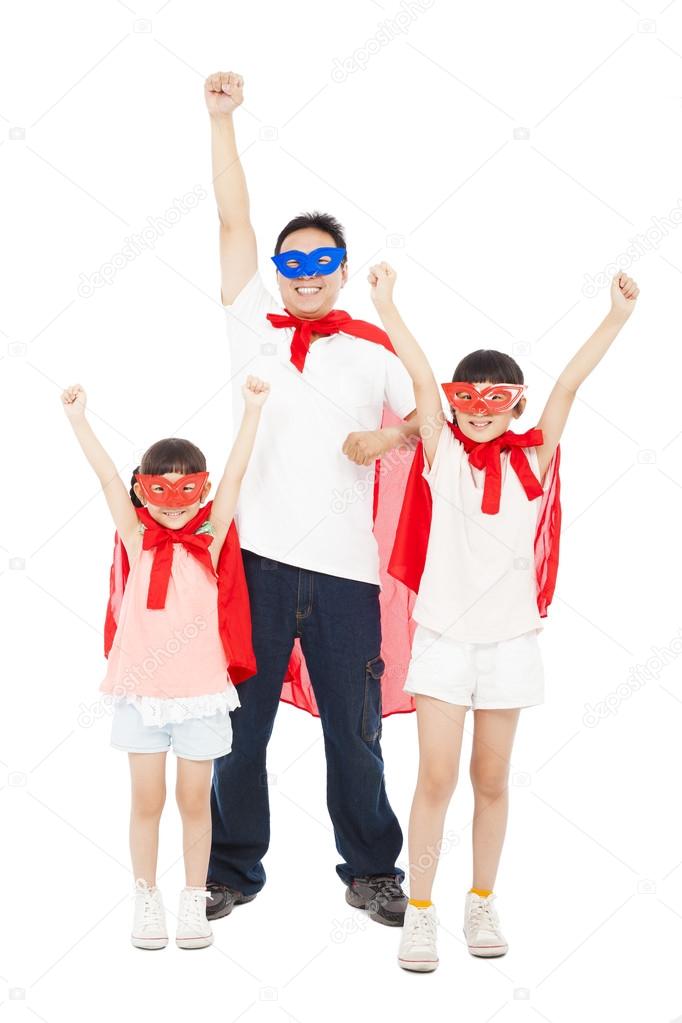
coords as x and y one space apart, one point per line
305 524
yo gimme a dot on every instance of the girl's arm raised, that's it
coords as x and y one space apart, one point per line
255 393
624 292
382 278
121 507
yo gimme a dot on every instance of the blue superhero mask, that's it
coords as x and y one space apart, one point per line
308 264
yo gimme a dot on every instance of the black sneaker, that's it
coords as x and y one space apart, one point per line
223 900
381 895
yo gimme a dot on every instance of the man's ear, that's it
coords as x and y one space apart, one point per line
344 274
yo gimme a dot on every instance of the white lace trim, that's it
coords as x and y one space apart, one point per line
158 711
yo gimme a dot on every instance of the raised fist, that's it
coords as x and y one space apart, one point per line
624 294
255 392
382 278
74 400
224 92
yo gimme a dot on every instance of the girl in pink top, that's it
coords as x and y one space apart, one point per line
167 667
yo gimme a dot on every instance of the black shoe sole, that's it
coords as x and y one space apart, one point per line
238 900
390 920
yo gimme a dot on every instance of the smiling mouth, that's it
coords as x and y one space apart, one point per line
480 425
173 514
307 289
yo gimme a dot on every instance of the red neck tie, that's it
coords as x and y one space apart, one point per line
487 456
335 321
160 540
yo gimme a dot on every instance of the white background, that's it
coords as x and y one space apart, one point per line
415 152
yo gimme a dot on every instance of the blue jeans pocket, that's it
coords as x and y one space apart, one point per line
371 711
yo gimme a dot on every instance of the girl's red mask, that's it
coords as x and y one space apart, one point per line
179 494
497 398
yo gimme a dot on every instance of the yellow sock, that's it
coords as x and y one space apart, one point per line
420 903
483 892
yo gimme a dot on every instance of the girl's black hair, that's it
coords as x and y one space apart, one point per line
173 454
322 221
488 364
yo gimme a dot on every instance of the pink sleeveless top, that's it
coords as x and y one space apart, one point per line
174 651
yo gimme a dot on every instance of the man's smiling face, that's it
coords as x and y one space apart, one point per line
310 298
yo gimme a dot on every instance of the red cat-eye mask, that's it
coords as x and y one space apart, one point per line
497 398
167 494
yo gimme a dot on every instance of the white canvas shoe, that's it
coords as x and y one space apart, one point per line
149 924
482 927
418 943
194 930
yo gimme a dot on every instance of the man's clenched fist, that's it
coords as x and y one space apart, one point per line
224 91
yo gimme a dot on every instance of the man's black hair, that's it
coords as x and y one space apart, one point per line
322 221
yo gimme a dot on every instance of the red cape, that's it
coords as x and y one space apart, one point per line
234 613
389 482
396 601
412 535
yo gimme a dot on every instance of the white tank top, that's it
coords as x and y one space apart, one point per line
479 583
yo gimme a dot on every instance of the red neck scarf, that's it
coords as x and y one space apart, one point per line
487 456
160 539
411 540
332 323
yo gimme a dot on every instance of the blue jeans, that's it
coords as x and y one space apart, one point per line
339 626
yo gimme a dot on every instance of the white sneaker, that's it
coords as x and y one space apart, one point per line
149 924
418 943
482 927
194 930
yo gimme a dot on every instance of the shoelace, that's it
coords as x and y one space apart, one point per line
423 924
152 916
196 913
386 888
215 886
483 908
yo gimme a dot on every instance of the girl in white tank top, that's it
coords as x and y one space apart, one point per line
484 580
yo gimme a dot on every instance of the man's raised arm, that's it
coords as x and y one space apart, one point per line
224 91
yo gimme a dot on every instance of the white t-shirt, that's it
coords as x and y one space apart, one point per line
302 501
479 582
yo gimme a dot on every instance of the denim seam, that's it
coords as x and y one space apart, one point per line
300 615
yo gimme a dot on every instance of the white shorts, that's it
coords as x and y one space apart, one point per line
483 676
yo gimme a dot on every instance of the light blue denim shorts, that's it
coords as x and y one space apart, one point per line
195 739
